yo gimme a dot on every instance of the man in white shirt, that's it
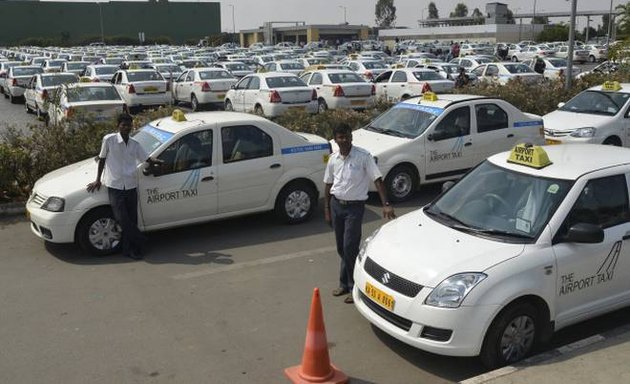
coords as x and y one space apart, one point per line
119 157
347 179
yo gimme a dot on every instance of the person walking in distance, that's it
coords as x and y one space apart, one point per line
119 157
348 175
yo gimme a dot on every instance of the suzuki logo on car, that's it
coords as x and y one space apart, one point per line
385 278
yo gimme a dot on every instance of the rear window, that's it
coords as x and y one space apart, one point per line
26 71
337 78
51 81
56 63
291 66
518 68
427 75
284 82
76 65
374 65
105 70
79 94
168 69
143 76
237 67
211 75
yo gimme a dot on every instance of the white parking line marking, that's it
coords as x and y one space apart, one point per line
237 266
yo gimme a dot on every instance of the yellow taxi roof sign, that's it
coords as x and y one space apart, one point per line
611 86
178 115
429 96
529 155
84 79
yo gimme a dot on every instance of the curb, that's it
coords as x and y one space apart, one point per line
565 349
12 209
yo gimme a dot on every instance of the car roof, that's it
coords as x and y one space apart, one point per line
570 161
90 84
443 101
195 119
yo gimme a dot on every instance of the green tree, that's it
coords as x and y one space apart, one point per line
623 20
461 10
385 13
557 32
540 20
510 17
479 17
433 11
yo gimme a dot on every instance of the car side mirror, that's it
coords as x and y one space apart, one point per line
560 105
232 86
584 233
154 169
436 136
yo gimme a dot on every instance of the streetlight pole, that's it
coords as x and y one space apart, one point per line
610 22
345 21
533 20
100 15
233 23
569 73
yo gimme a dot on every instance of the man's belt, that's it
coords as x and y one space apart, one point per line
349 202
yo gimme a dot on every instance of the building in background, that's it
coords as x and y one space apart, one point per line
298 31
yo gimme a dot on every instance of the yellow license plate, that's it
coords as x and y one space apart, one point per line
150 89
357 102
379 296
221 96
552 142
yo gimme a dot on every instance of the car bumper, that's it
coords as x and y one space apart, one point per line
148 99
211 97
273 110
552 140
467 325
56 227
350 103
15 91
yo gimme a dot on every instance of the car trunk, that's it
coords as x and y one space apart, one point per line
356 89
149 87
295 95
100 110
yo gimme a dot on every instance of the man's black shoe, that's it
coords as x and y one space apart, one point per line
134 255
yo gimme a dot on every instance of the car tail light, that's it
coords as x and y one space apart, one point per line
45 94
314 95
168 86
96 80
338 91
14 83
426 88
69 112
602 51
274 97
373 90
368 75
131 89
205 87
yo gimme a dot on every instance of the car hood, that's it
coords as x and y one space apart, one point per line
68 179
419 249
564 120
374 142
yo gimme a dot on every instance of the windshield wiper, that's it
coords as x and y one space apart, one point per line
499 232
459 224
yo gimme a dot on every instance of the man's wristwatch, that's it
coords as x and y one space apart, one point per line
386 204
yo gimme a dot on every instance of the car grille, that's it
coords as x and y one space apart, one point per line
398 321
37 199
391 280
549 132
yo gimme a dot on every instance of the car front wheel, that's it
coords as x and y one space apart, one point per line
295 203
228 105
99 233
401 183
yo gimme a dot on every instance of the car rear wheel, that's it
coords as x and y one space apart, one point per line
612 141
12 99
321 106
511 337
401 182
228 105
28 109
295 203
194 103
259 111
99 233
514 59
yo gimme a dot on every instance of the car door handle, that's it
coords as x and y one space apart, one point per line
510 135
276 165
467 144
208 178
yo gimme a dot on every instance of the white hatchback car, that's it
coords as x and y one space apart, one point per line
271 94
216 165
435 138
202 86
527 243
340 89
598 115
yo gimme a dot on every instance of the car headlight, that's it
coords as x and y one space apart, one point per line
54 204
584 132
365 244
451 292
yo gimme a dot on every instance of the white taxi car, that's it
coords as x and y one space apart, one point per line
525 244
403 83
435 138
216 165
598 115
17 79
202 86
501 73
41 87
142 87
340 89
100 72
95 101
271 94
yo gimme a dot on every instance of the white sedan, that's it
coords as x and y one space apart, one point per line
271 94
215 165
99 72
41 87
555 67
289 66
501 73
202 86
403 83
17 79
94 101
340 89
142 87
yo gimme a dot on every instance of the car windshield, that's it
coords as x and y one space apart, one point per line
72 66
55 63
597 102
374 65
26 71
291 66
405 120
143 76
518 68
495 202
237 67
81 94
427 75
345 77
150 137
284 82
51 81
105 70
210 75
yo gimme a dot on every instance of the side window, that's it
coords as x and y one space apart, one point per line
243 83
399 77
490 117
354 66
190 76
182 77
383 77
455 124
305 77
493 70
479 70
190 152
254 83
466 63
244 142
603 202
316 79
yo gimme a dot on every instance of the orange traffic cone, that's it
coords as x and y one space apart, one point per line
316 366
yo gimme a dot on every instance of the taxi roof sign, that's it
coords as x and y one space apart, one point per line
532 156
178 115
611 86
429 96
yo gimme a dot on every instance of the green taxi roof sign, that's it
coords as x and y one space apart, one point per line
529 155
